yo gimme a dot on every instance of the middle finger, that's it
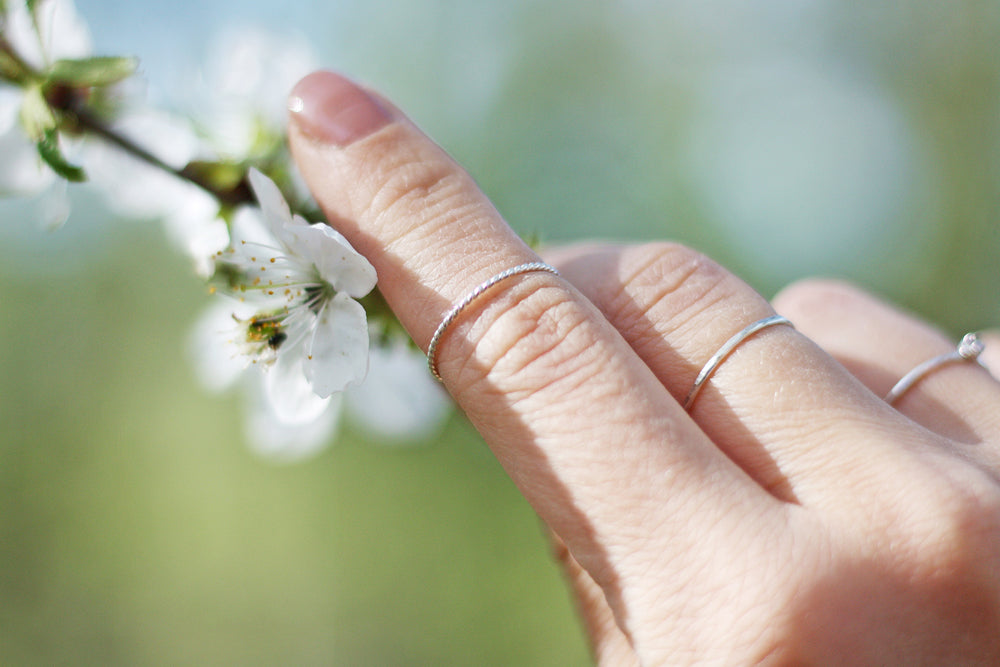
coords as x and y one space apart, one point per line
775 392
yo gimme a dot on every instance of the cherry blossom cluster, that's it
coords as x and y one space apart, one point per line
288 322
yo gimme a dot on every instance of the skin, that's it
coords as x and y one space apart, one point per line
791 517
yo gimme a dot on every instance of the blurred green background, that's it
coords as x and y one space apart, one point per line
783 138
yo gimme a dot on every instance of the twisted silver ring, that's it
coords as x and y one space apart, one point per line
968 349
453 314
713 364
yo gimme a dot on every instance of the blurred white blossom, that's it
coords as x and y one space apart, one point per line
136 189
22 171
61 32
805 165
399 401
238 112
241 105
55 31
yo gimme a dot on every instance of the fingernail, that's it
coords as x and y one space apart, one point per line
335 110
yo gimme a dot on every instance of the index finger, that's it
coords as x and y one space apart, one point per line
583 427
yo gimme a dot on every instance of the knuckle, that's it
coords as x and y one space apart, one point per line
953 540
958 576
968 529
539 337
672 281
416 189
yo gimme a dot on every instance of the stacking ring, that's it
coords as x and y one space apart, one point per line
713 364
968 349
453 314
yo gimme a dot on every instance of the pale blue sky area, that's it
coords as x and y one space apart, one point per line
414 50
170 36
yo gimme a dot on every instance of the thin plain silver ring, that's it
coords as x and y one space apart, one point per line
968 349
453 314
716 360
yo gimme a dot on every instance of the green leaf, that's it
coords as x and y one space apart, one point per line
48 148
30 4
90 72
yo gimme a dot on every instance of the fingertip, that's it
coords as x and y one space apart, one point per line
331 109
817 298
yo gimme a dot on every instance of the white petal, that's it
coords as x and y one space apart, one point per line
22 172
63 31
272 202
252 238
19 31
337 354
55 206
135 189
192 223
170 138
204 244
290 396
10 107
217 361
337 262
278 440
254 69
231 132
399 398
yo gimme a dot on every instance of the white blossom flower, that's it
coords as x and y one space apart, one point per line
285 420
239 110
399 402
303 280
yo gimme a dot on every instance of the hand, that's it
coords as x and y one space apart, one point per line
791 516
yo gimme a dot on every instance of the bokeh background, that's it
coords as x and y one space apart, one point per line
784 138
